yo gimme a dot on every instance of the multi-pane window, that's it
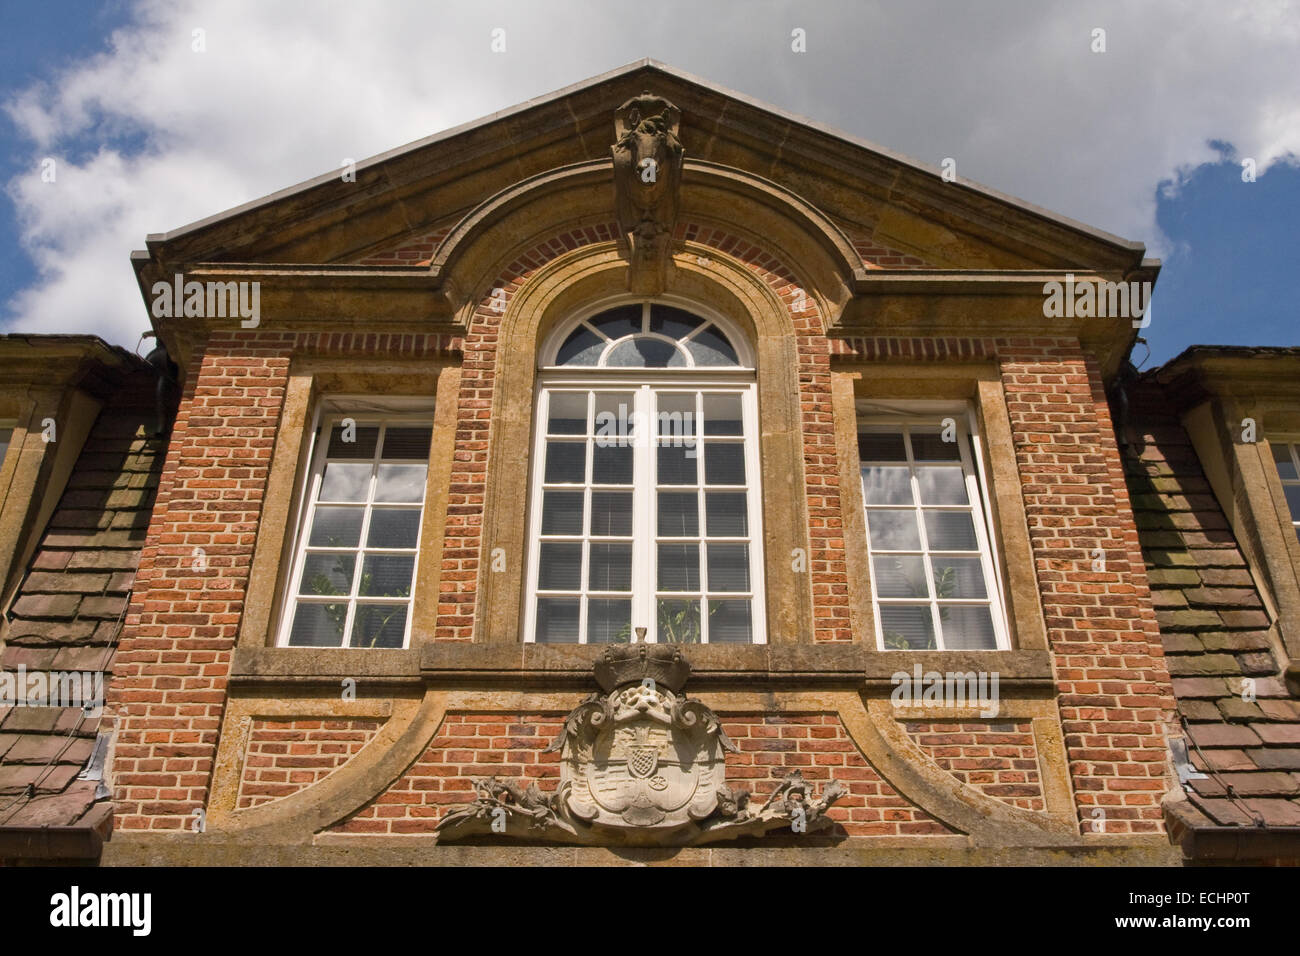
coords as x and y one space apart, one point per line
645 506
358 547
932 574
1287 457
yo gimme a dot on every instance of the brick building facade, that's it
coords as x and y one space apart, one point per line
344 559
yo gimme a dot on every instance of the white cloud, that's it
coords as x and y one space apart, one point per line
284 92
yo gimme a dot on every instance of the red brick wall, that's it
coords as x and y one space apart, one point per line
510 746
169 687
1115 698
412 252
999 760
285 756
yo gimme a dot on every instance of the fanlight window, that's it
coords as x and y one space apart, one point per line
647 335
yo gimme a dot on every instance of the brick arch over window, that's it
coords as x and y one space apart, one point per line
723 270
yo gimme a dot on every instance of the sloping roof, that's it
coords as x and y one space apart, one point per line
1215 634
574 124
69 610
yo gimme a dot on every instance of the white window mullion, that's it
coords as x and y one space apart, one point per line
645 558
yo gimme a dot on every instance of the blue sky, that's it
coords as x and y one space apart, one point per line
37 41
1144 139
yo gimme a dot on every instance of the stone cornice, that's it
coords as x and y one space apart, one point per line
564 666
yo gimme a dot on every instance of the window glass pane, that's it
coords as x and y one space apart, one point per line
618 322
401 442
379 625
679 567
355 441
611 464
645 352
318 625
401 482
893 530
613 419
726 514
611 513
928 445
567 413
583 347
728 567
942 485
6 436
678 622
887 484
722 415
566 462
561 566
724 463
1285 465
672 322
386 575
676 415
711 348
678 517
907 628
610 567
676 465
950 531
608 620
730 622
881 446
958 577
557 620
968 628
394 528
900 577
562 512
1293 500
336 527
327 574
345 482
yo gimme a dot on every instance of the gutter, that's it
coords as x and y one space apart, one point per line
1259 846
81 842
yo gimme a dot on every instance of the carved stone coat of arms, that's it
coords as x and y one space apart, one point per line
642 764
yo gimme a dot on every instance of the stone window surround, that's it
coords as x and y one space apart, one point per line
979 384
313 382
1245 481
31 463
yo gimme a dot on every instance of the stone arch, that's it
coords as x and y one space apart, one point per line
721 284
570 198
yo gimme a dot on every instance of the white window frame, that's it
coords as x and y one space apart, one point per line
1292 445
644 382
931 414
365 409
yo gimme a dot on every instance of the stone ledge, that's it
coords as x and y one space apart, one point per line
852 665
339 850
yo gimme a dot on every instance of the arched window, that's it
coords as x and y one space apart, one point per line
645 511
